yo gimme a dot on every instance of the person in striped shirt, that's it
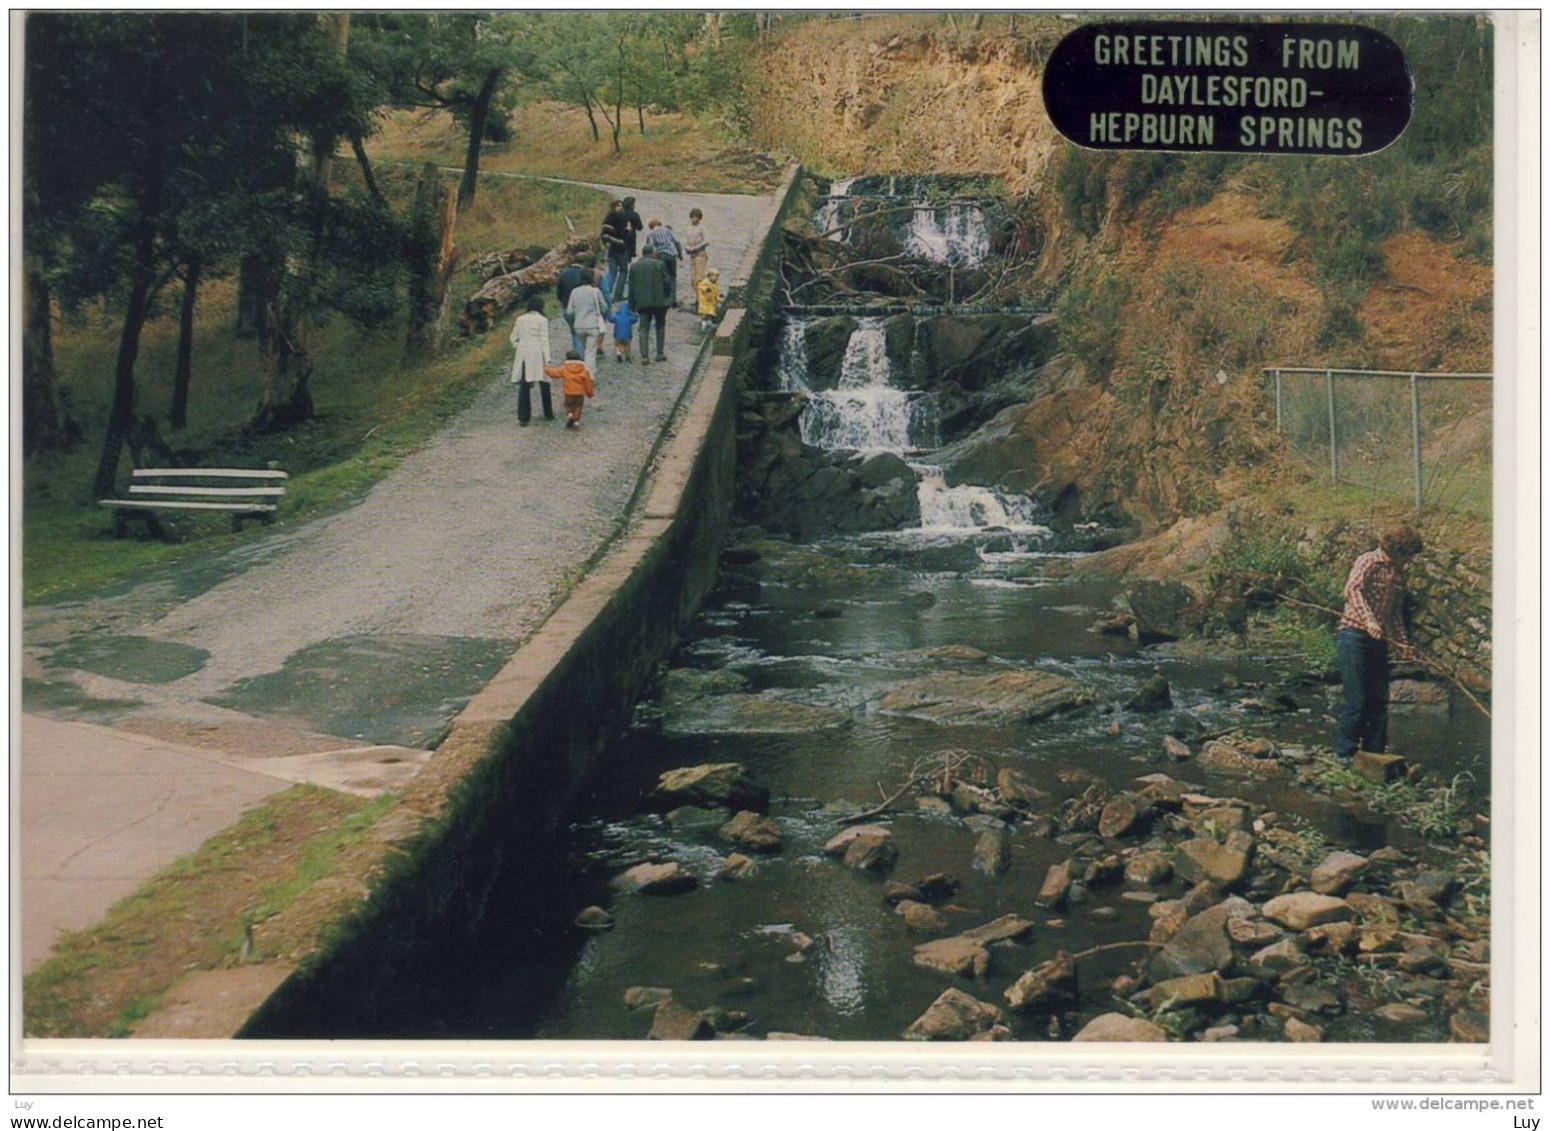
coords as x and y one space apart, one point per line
1372 620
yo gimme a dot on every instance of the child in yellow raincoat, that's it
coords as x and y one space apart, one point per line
709 291
577 386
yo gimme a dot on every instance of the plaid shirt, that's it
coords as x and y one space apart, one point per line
1373 599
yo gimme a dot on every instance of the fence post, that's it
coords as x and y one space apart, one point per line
1277 372
1415 437
1334 455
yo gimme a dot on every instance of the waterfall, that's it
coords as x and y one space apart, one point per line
955 234
865 364
946 509
828 218
791 365
864 412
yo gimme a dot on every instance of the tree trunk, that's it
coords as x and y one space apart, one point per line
434 226
478 114
122 415
337 26
43 425
713 28
505 290
586 102
640 114
178 417
252 297
367 175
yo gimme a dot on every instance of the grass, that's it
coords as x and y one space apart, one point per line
1432 809
194 915
677 153
372 409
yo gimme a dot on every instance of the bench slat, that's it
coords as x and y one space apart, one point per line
162 504
209 472
242 492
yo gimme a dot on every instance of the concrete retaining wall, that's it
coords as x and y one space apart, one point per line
518 754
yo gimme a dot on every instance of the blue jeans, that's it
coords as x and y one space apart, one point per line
1364 677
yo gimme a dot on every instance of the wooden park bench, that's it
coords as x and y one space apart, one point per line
242 493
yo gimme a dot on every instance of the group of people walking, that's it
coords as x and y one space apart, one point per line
630 292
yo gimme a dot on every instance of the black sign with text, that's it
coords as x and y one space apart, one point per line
1335 90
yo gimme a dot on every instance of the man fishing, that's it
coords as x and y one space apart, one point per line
1373 619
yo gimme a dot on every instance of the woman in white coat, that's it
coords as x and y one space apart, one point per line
530 336
587 312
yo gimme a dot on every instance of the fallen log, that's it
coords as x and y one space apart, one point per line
503 292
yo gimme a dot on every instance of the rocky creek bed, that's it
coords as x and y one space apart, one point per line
874 802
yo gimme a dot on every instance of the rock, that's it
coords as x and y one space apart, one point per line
1201 944
1103 872
895 892
696 819
774 1036
1205 860
1006 697
1163 792
1470 1026
921 917
1378 768
1219 1033
737 867
1230 755
1008 928
1437 886
954 1016
1304 909
721 785
1138 896
1124 815
1337 872
871 854
1046 987
745 714
993 853
1015 789
725 1020
675 1023
754 832
645 997
1238 991
1277 958
1158 610
1190 990
1149 867
957 956
1218 820
1378 940
1301 1032
1422 960
1056 888
1120 1027
1418 693
1253 933
594 919
937 887
1330 938
1374 908
839 842
1080 814
1176 749
933 805
1312 999
1400 1014
970 799
657 879
1153 695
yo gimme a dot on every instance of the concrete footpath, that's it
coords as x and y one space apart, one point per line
335 653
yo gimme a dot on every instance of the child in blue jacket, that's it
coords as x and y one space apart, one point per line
624 320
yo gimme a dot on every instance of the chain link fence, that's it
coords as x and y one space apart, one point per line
1422 436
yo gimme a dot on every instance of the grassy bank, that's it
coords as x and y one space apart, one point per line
372 409
198 914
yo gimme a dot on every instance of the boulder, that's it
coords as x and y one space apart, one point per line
657 879
1374 908
1125 814
1378 768
871 854
1301 910
752 831
921 918
1277 958
1470 1026
1301 1032
1159 611
645 997
1120 1027
1203 860
594 919
1153 695
1399 1014
1236 755
895 892
1201 944
957 956
1056 888
840 841
1187 991
737 867
1422 960
1175 749
672 1022
993 853
1252 933
1437 886
1149 867
1046 987
973 699
746 714
1330 938
692 819
720 785
1015 789
1311 998
954 1016
1103 872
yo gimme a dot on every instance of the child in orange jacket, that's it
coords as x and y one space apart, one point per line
578 386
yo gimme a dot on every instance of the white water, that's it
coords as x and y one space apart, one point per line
955 234
945 509
827 218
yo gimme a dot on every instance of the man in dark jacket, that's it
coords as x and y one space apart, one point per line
651 294
618 245
634 225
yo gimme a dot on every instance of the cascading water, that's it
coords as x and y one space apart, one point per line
865 413
955 235
828 219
